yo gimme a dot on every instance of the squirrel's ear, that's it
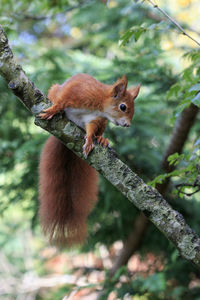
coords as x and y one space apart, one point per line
134 91
119 87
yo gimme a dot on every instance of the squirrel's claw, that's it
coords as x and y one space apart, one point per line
46 114
87 147
102 141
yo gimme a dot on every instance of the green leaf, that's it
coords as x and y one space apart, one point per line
135 31
138 33
173 90
196 100
125 37
195 87
175 158
188 74
197 142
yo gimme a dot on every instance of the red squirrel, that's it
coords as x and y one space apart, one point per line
68 185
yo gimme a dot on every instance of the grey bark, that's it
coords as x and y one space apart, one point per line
147 199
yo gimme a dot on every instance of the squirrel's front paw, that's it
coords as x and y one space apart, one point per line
102 141
88 146
47 114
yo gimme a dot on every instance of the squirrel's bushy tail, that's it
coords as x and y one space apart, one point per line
67 193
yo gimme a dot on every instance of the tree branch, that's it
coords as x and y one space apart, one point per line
173 21
147 199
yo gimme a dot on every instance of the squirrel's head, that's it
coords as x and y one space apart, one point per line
120 108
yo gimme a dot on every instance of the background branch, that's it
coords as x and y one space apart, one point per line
173 21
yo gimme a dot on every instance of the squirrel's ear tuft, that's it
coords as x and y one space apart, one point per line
134 91
119 88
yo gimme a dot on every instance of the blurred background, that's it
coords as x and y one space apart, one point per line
125 257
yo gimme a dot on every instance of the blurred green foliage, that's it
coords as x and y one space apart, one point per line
54 40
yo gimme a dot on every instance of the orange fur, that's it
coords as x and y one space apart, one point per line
68 185
68 192
84 91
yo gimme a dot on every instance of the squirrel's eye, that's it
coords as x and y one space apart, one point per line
122 107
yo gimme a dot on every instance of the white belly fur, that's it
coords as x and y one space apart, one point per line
81 117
